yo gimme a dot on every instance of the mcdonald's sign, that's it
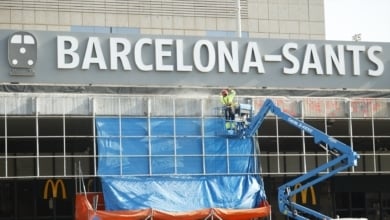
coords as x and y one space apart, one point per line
54 184
304 195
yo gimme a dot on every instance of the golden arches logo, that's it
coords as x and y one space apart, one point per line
54 186
304 195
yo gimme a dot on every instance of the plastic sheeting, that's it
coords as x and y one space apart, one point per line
85 211
175 165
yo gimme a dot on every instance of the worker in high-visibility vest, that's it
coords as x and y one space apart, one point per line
228 100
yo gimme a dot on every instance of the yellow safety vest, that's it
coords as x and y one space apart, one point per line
229 99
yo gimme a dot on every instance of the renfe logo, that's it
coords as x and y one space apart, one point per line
22 53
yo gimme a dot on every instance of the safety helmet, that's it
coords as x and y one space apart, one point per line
224 92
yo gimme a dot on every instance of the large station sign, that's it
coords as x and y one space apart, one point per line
140 60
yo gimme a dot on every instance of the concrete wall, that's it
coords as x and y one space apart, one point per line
287 19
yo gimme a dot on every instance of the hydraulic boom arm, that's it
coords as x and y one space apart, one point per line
344 158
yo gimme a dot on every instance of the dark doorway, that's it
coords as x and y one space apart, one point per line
37 199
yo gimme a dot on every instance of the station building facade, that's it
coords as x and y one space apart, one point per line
88 59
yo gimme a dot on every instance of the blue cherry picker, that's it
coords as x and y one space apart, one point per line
343 157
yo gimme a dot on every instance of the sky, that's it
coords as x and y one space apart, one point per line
346 18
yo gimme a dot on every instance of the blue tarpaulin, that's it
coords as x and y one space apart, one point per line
175 164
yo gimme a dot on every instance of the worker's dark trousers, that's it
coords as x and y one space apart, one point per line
229 114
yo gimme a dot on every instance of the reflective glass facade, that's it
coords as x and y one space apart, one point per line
46 135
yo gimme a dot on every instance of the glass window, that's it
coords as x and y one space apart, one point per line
63 140
336 108
290 144
286 129
78 126
313 107
16 39
292 163
28 39
2 126
25 166
50 126
362 127
2 166
268 144
382 127
289 106
188 107
361 108
338 127
268 128
21 126
384 163
366 163
381 108
134 106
